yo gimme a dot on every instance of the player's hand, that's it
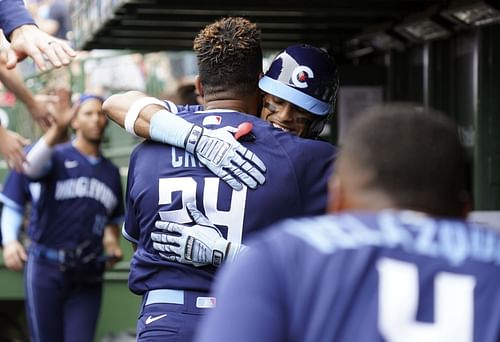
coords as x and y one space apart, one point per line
40 113
29 40
11 148
222 154
14 256
198 245
112 249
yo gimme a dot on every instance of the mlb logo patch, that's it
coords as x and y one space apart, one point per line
206 302
212 120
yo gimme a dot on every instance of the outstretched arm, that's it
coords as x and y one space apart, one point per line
37 160
217 149
13 81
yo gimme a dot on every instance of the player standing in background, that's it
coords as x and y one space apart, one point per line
18 191
167 178
398 261
75 222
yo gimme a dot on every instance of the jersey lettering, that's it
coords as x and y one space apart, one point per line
398 304
232 218
85 187
185 159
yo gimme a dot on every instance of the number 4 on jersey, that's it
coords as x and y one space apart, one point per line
398 304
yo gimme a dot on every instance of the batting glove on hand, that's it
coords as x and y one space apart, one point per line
198 245
222 154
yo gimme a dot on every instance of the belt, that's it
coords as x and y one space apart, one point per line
51 254
180 297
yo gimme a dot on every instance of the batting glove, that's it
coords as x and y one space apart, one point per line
198 245
222 154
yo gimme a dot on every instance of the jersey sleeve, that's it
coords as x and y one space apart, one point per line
130 230
248 294
12 15
14 194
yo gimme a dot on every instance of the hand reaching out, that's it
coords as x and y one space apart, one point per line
29 40
11 148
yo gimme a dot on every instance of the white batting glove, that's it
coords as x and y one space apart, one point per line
198 245
222 154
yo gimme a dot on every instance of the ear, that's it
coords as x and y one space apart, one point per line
198 86
336 195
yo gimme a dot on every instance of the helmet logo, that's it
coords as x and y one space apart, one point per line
300 75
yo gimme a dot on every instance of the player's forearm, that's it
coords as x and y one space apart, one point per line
10 223
13 81
38 158
117 106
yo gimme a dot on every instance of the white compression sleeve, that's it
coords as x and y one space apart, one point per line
10 223
135 109
38 159
168 128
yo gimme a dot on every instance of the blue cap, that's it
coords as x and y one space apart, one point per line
85 97
305 76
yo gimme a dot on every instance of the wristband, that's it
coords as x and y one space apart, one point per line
135 109
192 139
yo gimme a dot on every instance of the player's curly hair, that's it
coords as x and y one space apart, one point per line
229 55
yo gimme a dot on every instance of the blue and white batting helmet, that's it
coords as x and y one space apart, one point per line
305 76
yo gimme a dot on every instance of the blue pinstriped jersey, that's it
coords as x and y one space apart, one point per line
163 178
392 276
77 199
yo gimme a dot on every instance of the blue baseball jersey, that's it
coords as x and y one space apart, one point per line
162 179
78 197
392 276
18 191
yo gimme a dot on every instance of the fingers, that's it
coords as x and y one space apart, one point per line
22 255
249 155
238 172
170 257
68 50
11 59
61 53
15 258
197 216
49 49
230 180
169 226
165 238
16 159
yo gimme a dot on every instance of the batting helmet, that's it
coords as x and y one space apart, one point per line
305 76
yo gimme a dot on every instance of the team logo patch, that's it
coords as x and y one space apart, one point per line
69 164
301 75
212 120
206 302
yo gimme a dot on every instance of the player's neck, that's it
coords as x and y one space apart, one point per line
225 100
86 147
